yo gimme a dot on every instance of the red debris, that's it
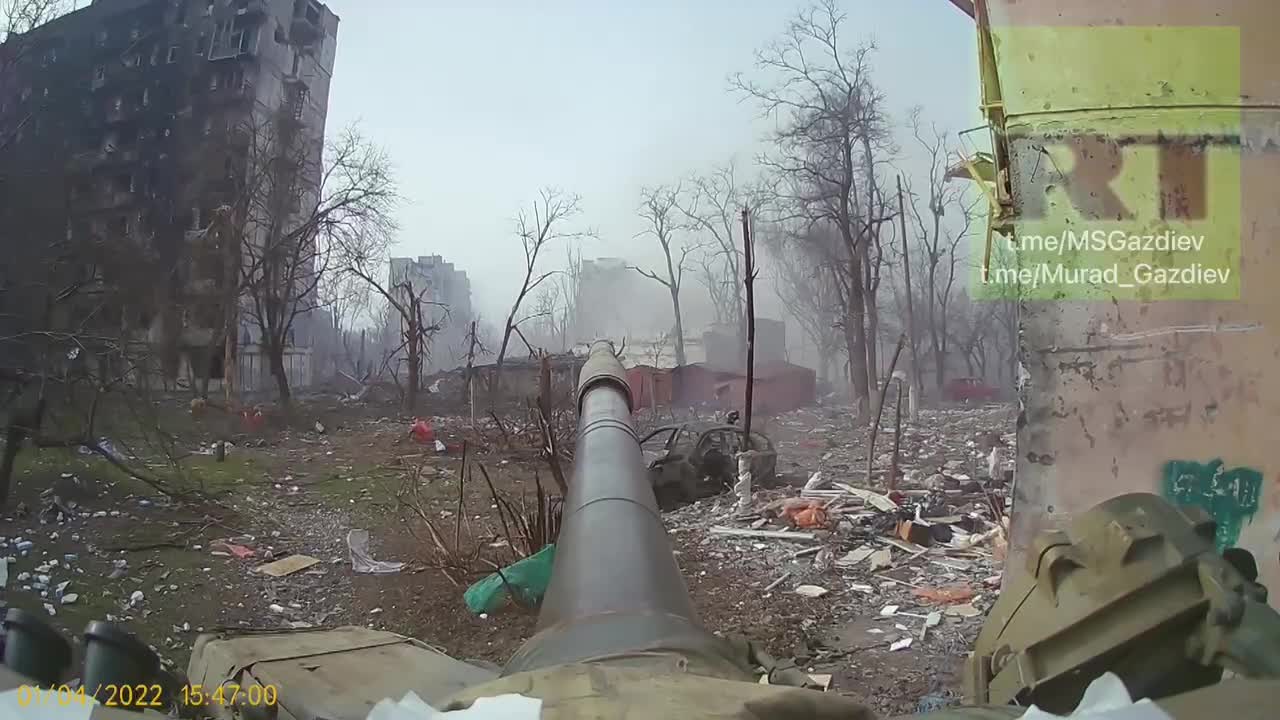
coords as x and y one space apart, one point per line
949 595
239 551
808 514
422 432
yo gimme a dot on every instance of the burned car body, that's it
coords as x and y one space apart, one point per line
694 460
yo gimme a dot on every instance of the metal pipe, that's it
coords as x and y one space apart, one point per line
616 593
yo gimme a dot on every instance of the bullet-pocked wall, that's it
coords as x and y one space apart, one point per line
1143 158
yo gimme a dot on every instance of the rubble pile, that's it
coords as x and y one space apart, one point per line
955 442
919 564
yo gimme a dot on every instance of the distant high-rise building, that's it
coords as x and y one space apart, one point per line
138 103
445 293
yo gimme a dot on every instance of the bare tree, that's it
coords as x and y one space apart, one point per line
364 256
568 282
658 209
1004 299
720 290
346 298
548 311
807 290
537 227
17 19
973 328
831 140
710 204
939 240
297 201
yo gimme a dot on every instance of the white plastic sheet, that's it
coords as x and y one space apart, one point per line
1106 699
362 561
499 707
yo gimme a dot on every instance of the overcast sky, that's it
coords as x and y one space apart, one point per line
482 102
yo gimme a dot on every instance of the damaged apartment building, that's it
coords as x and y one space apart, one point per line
444 295
145 103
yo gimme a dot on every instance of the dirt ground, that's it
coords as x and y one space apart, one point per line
164 569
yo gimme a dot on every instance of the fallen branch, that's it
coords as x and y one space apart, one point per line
146 546
875 422
774 534
779 581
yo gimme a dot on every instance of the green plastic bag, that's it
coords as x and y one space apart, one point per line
528 577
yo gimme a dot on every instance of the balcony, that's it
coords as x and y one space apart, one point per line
296 97
118 198
250 8
308 22
236 44
232 94
105 200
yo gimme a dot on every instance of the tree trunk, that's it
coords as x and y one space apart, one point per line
873 337
413 349
675 307
856 338
873 326
935 341
277 369
411 387
22 425
495 389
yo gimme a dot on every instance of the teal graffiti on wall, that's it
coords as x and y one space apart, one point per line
1230 496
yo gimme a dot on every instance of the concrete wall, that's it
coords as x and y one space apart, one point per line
1130 385
724 352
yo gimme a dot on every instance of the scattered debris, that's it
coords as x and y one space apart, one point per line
880 502
524 581
774 534
945 595
901 644
817 482
773 585
966 610
422 432
812 591
809 515
287 566
881 559
855 557
362 561
228 548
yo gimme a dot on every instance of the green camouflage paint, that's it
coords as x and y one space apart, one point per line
1230 496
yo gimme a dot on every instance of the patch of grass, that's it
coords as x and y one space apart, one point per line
40 467
36 469
217 477
343 486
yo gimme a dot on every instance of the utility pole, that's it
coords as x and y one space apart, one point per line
916 385
471 385
745 454
751 320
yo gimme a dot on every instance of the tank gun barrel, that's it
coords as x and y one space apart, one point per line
616 592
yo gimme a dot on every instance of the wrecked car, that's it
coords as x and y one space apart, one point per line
694 460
